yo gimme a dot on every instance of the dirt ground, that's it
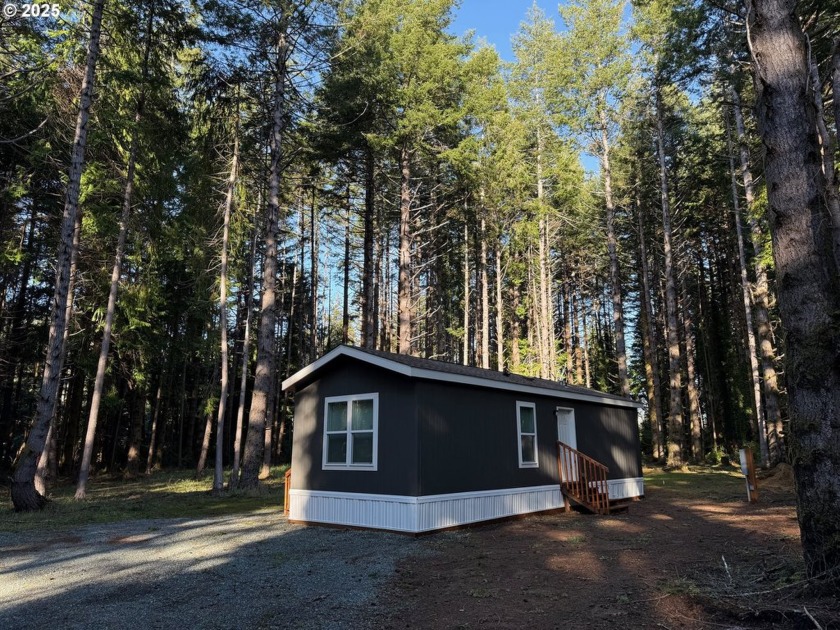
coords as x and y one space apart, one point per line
674 560
692 555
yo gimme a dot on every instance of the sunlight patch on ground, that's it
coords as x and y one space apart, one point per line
579 563
152 551
661 517
739 516
609 523
206 565
713 508
566 535
615 524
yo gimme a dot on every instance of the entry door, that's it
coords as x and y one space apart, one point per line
566 434
566 427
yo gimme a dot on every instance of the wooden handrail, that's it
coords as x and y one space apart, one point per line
583 478
287 482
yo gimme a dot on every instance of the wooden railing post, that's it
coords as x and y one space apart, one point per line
583 478
286 487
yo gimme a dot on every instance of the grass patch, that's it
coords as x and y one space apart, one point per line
717 483
680 586
164 494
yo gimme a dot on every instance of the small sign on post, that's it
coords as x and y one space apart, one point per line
748 468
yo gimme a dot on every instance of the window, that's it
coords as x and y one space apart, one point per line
526 429
350 431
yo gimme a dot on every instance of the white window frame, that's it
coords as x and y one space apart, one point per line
348 465
519 434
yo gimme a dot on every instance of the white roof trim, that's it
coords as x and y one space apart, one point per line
350 352
449 377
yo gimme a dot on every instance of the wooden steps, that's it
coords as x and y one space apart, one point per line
619 506
583 481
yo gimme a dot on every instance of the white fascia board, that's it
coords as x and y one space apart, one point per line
449 377
527 389
309 369
349 352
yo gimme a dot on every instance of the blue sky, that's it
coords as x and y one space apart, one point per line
497 20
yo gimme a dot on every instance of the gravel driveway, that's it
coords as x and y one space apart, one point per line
255 571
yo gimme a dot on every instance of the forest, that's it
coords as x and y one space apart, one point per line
199 198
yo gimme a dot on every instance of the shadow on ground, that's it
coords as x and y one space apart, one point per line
673 561
676 560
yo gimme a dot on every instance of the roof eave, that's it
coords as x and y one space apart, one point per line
348 351
450 377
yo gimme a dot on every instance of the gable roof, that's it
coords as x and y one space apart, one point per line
415 367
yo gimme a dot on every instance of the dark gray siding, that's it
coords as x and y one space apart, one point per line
468 438
610 435
397 449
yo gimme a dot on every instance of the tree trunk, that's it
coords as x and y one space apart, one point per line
150 457
291 326
313 276
586 368
264 376
132 465
500 337
515 327
368 265
835 86
612 251
102 364
745 295
128 192
271 420
345 313
706 318
551 341
205 440
567 331
651 375
649 343
404 289
218 472
15 339
41 472
386 284
233 480
281 432
675 415
466 350
576 338
760 295
694 422
543 312
376 308
543 309
485 297
807 274
827 150
23 493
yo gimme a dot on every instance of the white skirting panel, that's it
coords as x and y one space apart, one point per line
626 488
377 511
449 510
428 513
418 514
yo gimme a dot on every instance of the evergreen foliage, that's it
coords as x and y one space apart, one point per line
430 199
